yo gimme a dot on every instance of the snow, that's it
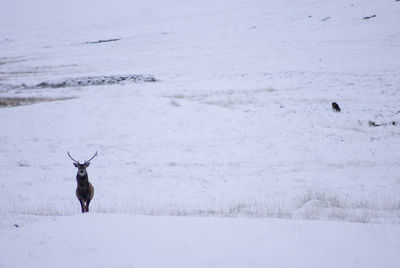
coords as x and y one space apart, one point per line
236 136
104 240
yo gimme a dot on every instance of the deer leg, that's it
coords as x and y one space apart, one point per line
82 205
87 205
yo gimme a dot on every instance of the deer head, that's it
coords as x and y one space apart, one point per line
82 167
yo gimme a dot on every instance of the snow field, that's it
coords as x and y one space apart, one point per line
141 241
236 131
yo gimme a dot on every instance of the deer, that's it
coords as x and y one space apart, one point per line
84 190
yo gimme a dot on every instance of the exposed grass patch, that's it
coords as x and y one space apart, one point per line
314 205
103 41
18 101
319 205
96 81
324 199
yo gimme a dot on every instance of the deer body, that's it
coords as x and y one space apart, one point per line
84 190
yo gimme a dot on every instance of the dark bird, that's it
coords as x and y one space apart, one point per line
335 107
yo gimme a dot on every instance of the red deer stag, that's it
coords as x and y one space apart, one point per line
84 190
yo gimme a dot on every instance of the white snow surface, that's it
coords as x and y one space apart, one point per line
104 240
232 158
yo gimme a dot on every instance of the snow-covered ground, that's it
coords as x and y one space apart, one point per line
95 240
237 124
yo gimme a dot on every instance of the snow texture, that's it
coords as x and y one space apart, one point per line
235 135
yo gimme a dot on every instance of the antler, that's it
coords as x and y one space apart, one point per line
92 157
72 158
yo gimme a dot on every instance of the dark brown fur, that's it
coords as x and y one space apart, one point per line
335 107
84 191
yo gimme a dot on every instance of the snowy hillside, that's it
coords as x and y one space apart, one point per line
201 108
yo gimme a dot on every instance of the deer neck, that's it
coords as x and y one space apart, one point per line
83 181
